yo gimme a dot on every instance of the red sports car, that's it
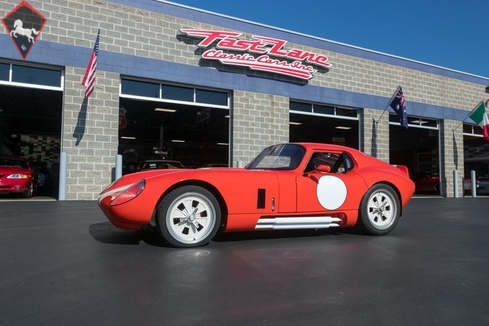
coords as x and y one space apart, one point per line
17 176
287 186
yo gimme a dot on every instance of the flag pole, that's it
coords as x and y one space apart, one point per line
388 103
478 104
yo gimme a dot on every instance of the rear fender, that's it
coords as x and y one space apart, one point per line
403 169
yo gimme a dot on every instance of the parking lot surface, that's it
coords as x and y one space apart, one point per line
63 263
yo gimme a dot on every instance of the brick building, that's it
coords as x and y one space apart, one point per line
180 83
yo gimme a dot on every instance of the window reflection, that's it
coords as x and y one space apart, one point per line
346 112
211 97
139 88
177 93
39 76
4 71
323 109
472 129
416 121
300 106
173 92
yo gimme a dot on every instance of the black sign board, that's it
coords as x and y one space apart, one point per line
24 24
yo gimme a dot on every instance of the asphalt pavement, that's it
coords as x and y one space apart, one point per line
63 263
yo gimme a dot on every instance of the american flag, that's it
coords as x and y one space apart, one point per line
398 104
89 78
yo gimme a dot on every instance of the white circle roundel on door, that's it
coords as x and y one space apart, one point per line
331 192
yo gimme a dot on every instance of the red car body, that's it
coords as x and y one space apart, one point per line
287 186
17 176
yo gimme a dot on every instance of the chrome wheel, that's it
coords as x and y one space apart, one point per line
379 211
189 217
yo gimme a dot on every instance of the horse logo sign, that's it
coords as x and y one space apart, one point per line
24 24
23 31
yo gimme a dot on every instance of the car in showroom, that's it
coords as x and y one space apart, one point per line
483 188
159 164
17 176
287 186
429 182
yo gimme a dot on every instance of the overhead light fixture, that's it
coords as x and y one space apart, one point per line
419 121
295 123
226 116
165 110
128 137
177 141
223 144
342 127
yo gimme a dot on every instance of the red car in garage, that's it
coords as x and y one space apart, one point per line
17 176
287 186
427 182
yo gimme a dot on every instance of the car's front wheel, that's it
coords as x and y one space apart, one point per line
379 211
188 216
30 192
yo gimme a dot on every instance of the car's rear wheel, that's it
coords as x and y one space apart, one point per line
379 211
188 216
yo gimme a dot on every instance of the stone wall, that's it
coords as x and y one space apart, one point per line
90 133
452 157
258 120
374 133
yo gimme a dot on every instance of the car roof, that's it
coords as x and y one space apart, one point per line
309 146
160 161
14 157
314 145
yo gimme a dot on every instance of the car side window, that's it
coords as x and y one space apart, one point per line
321 158
337 162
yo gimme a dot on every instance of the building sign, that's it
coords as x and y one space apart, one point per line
261 53
24 24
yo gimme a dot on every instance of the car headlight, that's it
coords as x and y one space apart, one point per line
19 176
123 194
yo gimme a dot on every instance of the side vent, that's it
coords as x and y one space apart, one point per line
260 203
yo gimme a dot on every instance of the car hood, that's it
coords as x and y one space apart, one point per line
13 170
150 173
179 174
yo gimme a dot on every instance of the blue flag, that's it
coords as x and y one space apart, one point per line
398 104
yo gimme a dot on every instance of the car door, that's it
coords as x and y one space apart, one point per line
329 183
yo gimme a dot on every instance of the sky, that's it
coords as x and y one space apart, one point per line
449 33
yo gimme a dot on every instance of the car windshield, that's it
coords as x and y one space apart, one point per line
278 157
12 162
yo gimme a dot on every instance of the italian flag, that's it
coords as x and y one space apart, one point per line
481 117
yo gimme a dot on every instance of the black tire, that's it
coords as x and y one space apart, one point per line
30 192
437 188
188 216
379 211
